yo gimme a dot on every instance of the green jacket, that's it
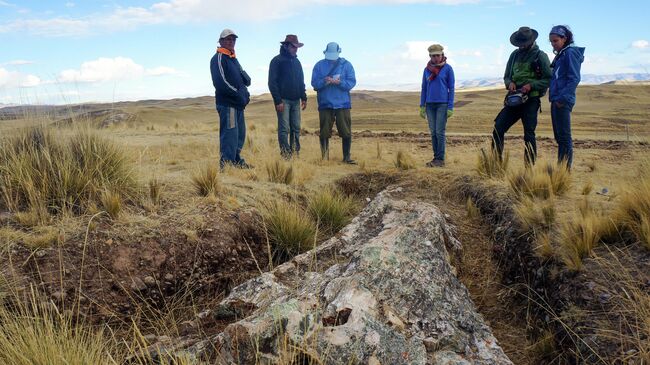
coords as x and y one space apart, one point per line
521 70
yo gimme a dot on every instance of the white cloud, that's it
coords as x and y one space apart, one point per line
12 79
417 50
111 69
640 44
182 11
18 63
161 71
69 4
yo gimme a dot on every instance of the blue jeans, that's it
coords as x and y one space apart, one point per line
437 118
561 119
289 126
232 134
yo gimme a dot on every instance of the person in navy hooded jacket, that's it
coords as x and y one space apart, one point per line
287 86
231 97
437 100
333 78
562 91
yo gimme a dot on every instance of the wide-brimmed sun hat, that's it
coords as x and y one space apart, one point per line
292 39
523 37
332 51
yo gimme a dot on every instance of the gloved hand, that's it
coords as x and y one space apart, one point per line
423 113
450 113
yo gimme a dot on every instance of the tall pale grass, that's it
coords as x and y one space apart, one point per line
36 333
490 164
331 210
633 210
290 230
43 170
206 180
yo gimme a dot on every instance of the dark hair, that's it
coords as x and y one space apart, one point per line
568 33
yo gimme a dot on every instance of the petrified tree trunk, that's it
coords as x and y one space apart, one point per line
382 292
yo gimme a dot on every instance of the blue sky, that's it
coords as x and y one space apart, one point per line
80 51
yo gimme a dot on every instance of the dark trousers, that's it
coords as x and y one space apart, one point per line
561 119
508 116
232 134
343 122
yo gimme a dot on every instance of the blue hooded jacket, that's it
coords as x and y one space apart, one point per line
333 96
230 81
439 90
566 75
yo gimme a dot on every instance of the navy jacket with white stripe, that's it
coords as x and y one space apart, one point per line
230 81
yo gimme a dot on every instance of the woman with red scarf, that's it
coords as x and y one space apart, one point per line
437 100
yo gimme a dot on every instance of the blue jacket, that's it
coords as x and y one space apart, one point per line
440 89
286 79
566 75
229 80
333 96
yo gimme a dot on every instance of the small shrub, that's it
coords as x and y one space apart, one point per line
490 165
206 181
289 229
279 172
404 160
331 210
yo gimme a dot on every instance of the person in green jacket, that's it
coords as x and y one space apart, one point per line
527 72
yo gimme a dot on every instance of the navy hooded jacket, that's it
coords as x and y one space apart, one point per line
566 75
230 80
286 78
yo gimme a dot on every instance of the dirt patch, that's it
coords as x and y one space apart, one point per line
116 273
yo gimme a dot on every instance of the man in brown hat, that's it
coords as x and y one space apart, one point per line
528 73
287 86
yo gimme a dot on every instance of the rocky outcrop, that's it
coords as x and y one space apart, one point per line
382 292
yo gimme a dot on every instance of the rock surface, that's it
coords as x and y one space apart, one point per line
382 292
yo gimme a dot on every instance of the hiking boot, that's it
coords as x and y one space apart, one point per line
350 161
436 163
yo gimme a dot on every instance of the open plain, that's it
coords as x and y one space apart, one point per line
136 269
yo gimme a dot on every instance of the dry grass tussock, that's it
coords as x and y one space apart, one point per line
46 172
542 181
580 234
206 181
330 210
279 172
37 333
633 211
404 160
290 230
490 165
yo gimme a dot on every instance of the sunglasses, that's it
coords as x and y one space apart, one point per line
435 55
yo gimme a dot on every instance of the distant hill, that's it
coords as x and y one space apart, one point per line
497 82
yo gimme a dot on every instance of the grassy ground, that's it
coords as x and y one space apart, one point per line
169 143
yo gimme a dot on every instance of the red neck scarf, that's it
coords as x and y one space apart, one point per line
227 52
435 68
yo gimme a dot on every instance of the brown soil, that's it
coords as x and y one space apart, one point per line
116 273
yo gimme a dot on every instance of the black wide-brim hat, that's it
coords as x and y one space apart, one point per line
523 37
